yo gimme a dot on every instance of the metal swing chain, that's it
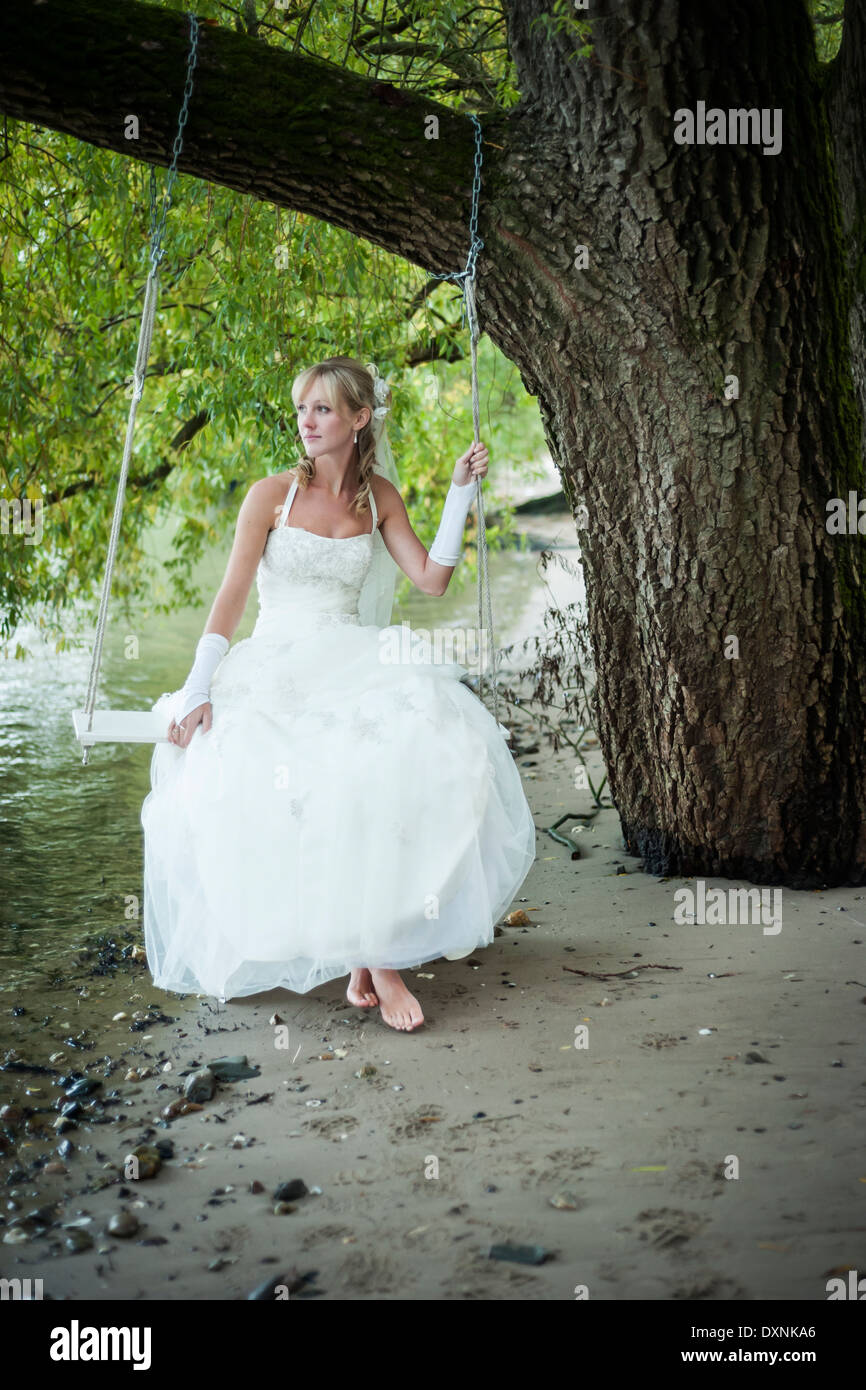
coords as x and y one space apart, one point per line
151 294
467 275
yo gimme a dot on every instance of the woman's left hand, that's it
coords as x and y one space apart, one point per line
471 465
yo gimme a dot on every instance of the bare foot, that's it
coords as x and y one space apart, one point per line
400 1009
360 990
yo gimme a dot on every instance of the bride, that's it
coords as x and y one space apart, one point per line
321 808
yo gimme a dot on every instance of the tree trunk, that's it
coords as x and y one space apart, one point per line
728 625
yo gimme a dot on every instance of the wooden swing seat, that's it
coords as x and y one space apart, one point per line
119 726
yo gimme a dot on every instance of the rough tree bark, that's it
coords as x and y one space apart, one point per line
707 516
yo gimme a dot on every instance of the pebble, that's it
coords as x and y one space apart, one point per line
181 1106
366 1070
148 1161
240 1141
220 1262
265 1291
232 1068
55 1167
79 1241
519 1254
85 1087
256 1186
288 1191
200 1085
565 1201
123 1225
15 1236
754 1057
283 1208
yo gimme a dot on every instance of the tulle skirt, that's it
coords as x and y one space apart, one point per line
343 810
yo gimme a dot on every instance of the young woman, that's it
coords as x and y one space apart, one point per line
320 808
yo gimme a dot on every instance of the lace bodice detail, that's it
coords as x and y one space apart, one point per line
302 574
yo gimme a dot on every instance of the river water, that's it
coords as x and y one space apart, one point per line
71 845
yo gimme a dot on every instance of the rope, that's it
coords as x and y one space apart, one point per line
151 295
467 276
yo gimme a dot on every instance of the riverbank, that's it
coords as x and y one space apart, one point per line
700 1140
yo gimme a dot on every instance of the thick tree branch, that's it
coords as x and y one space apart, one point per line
139 481
295 131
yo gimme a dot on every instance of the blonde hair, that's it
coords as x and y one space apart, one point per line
344 382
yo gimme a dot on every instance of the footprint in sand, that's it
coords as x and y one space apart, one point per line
668 1228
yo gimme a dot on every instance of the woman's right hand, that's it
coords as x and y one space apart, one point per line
180 734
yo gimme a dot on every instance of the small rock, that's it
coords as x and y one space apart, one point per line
366 1070
123 1225
265 1292
240 1141
326 1056
232 1069
283 1209
55 1167
273 1021
15 1236
288 1191
147 1162
754 1057
118 1018
181 1106
79 1241
519 1254
565 1201
221 1262
200 1085
518 918
85 1087
256 1186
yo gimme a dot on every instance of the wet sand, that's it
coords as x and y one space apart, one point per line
457 1137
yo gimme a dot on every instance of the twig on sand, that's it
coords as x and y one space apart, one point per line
617 974
486 1119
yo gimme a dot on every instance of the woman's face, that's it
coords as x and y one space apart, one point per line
323 428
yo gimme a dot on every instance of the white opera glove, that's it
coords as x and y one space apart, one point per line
196 690
447 548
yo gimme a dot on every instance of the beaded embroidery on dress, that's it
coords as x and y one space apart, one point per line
343 810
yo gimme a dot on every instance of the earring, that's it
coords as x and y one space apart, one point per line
356 436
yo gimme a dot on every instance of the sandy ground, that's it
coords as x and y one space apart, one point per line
466 1130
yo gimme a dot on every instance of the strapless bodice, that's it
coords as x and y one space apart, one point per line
304 578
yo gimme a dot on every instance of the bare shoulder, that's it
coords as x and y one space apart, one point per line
388 499
266 496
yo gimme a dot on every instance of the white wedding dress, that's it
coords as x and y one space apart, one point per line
343 810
